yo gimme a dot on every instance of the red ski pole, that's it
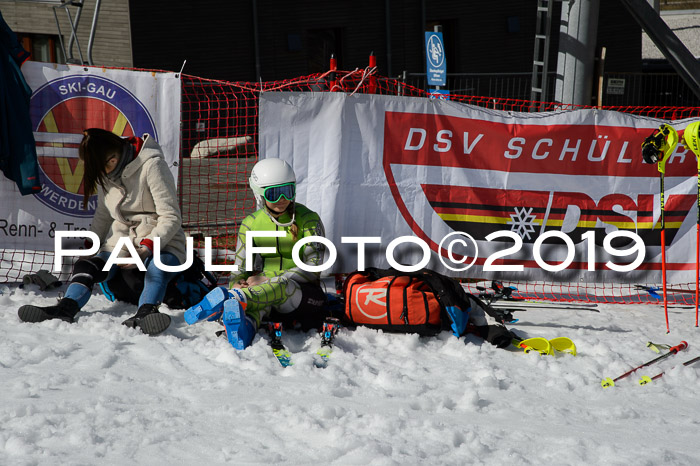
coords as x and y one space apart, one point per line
646 379
608 382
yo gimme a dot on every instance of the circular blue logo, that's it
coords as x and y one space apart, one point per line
60 110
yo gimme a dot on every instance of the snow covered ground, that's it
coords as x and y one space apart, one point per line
96 392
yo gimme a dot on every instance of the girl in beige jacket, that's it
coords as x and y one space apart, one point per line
136 199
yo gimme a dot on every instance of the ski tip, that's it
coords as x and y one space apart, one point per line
283 356
607 382
321 363
644 380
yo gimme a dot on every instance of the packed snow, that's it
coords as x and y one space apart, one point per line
97 392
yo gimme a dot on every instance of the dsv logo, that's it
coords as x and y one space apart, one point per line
371 301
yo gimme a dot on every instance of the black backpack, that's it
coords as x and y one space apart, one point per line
184 291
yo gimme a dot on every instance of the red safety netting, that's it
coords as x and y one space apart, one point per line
219 146
215 193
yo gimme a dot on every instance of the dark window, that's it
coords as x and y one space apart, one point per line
42 47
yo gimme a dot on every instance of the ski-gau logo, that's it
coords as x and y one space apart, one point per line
371 301
60 110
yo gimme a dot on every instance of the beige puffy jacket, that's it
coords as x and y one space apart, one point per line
143 206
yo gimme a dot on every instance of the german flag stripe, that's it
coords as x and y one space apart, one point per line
463 206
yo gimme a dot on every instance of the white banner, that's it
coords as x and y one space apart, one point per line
564 191
67 99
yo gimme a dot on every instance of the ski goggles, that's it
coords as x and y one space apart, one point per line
275 193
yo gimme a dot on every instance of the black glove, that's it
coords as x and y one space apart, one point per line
43 278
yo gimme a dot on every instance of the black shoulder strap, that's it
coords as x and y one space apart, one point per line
448 290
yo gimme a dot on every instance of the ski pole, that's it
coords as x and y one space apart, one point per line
661 143
608 382
663 255
690 140
663 251
646 379
697 250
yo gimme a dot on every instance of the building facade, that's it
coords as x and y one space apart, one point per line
35 22
247 40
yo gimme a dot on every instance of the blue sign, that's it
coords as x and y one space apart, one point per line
435 59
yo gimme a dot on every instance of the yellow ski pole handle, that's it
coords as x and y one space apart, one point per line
657 347
659 146
607 382
645 380
670 143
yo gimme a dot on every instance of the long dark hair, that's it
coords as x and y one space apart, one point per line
96 148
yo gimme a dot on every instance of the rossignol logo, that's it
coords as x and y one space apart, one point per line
104 104
370 300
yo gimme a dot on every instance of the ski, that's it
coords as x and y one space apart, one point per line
646 379
608 382
653 293
652 290
502 297
278 349
517 303
320 358
323 354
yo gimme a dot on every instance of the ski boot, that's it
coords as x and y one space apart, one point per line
328 332
330 329
240 329
149 320
210 308
65 310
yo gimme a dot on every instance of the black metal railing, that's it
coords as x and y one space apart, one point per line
619 89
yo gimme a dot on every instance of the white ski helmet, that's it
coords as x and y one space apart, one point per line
270 172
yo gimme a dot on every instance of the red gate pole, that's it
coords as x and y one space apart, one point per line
334 67
372 88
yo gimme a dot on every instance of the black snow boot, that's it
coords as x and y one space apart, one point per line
66 309
149 320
